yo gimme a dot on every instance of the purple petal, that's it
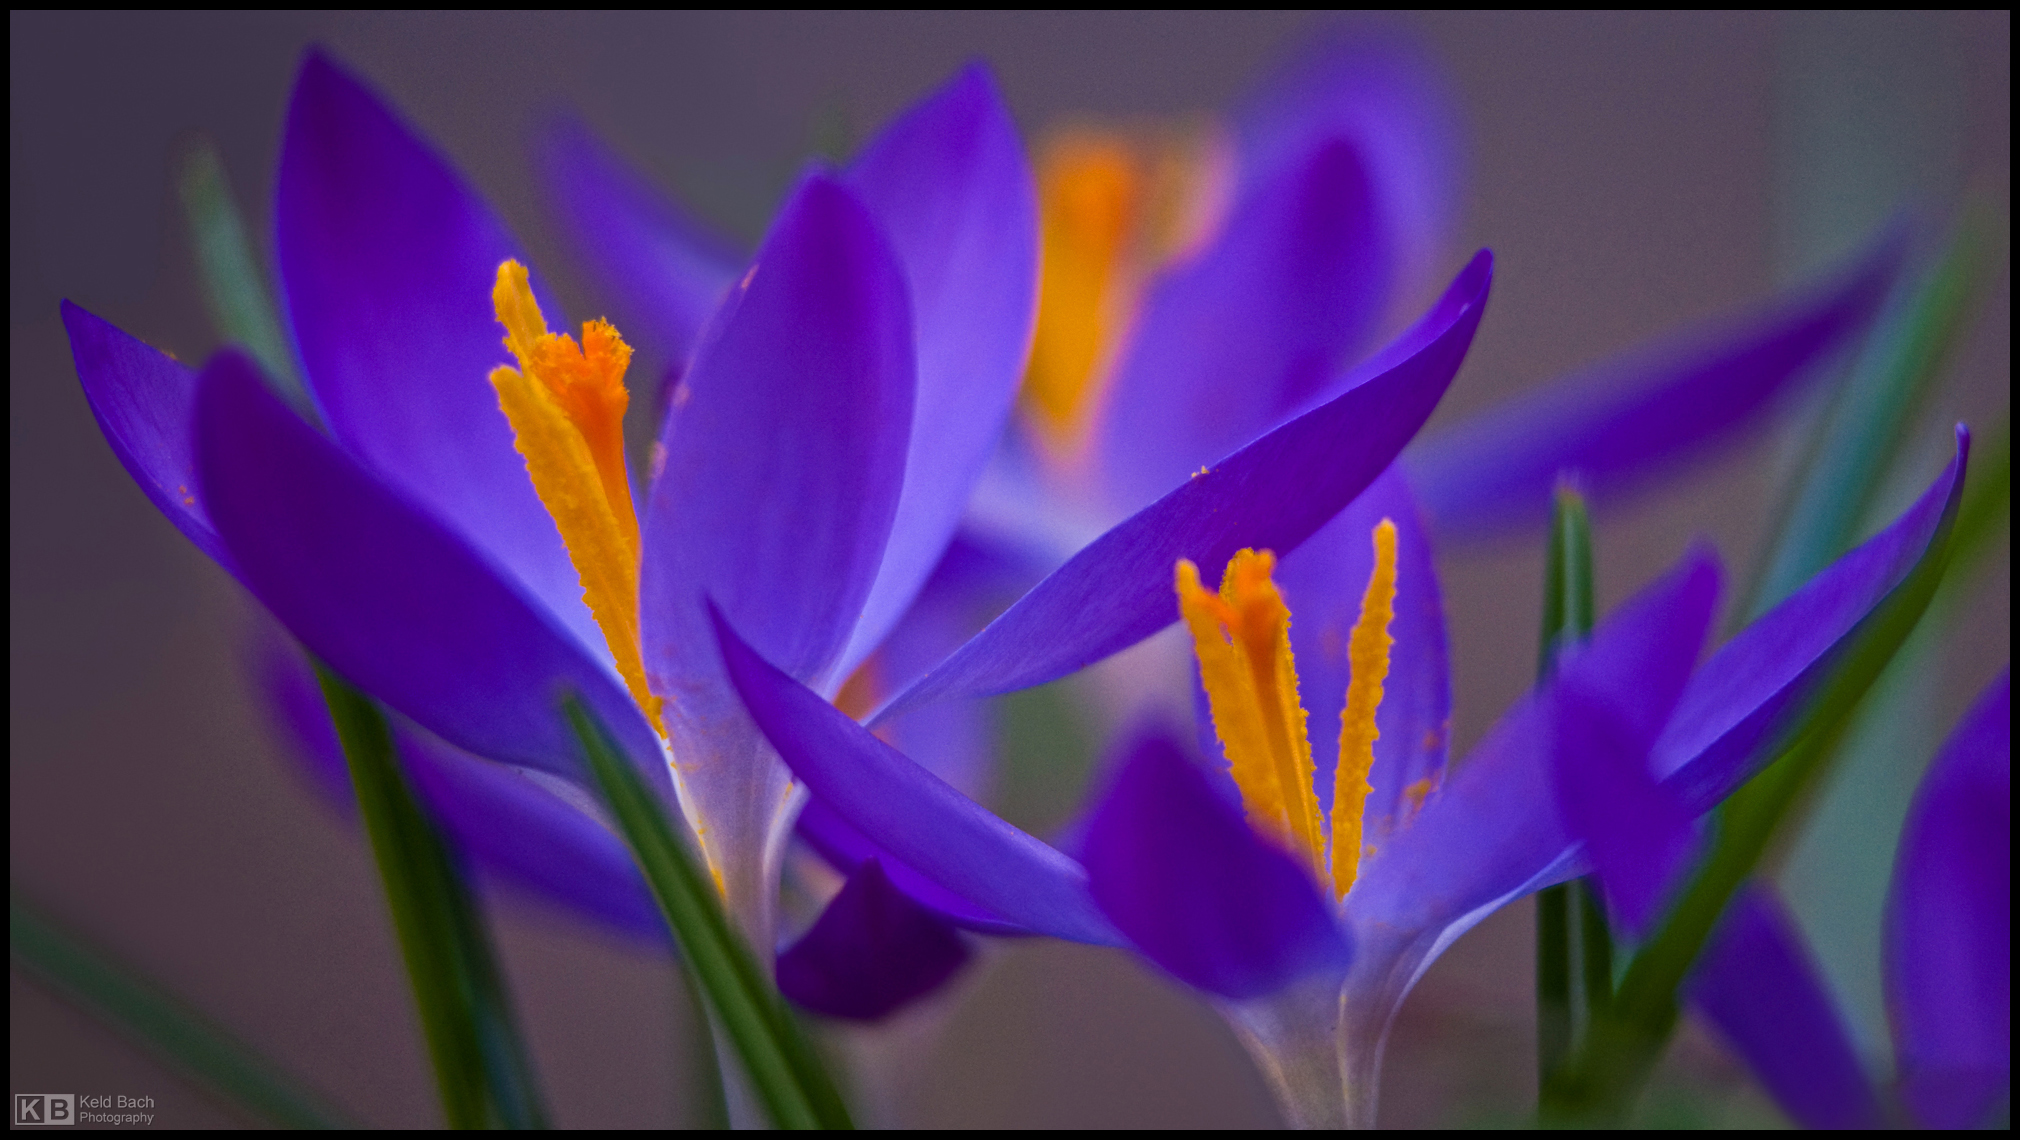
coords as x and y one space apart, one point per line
1383 93
537 833
1757 984
1949 924
386 263
1323 583
664 271
1638 833
1744 697
910 812
949 184
846 849
1253 329
872 951
1628 420
1272 494
1493 832
142 400
1178 870
783 452
394 601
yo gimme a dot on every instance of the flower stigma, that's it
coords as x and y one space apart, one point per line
1241 638
566 404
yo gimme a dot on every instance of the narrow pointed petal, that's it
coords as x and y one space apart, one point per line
1744 696
783 453
537 832
910 812
144 403
1757 984
1628 420
387 260
847 850
530 830
1273 494
1493 833
949 184
1323 583
1638 834
1383 93
395 602
1248 332
1177 869
1949 924
663 270
872 952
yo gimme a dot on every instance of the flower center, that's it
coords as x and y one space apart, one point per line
1241 638
566 404
1113 207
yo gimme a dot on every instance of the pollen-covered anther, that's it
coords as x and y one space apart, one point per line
1241 637
1368 655
566 405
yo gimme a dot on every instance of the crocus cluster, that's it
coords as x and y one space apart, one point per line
773 630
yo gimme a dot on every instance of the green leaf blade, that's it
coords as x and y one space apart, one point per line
781 1063
145 1012
481 1064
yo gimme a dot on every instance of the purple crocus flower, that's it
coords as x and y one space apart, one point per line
811 470
809 474
1310 980
1948 932
1337 187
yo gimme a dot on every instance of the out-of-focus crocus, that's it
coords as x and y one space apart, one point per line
462 544
1948 933
1310 949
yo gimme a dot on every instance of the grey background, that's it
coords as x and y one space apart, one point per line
1630 171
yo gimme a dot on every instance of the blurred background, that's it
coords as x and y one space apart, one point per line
1631 172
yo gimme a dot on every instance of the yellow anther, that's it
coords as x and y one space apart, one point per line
1242 639
1368 654
566 406
1090 192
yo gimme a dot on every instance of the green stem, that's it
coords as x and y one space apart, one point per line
1565 948
148 1014
481 1066
784 1070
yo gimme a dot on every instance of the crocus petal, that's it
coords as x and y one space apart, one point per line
1249 331
783 452
1382 92
664 271
1177 869
780 465
1323 583
535 832
143 402
1638 833
1757 984
1744 696
1949 923
541 834
949 183
1272 494
1493 834
872 951
393 600
1627 420
846 849
386 263
909 811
